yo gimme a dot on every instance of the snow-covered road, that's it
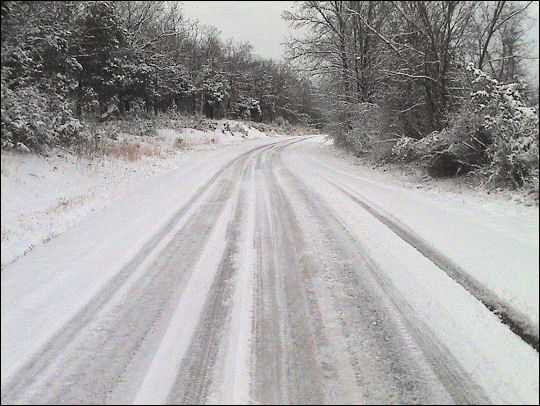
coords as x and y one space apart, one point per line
276 273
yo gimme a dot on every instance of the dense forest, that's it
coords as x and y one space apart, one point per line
438 83
441 83
64 63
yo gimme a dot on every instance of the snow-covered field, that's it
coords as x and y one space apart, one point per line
43 196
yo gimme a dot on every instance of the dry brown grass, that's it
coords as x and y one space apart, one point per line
129 150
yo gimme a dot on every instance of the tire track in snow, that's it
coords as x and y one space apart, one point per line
235 381
190 315
196 370
194 376
286 367
516 321
36 369
184 373
269 373
415 334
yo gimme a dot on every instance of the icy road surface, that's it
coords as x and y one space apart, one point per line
276 273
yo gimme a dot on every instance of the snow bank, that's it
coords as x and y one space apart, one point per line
226 132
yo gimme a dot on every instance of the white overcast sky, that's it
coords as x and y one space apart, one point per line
260 23
533 64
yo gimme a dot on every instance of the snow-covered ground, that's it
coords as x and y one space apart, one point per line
43 196
492 239
272 271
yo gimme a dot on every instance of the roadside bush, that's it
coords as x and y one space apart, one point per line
36 119
281 123
434 152
493 133
248 109
406 150
368 128
453 151
510 126
238 128
363 128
